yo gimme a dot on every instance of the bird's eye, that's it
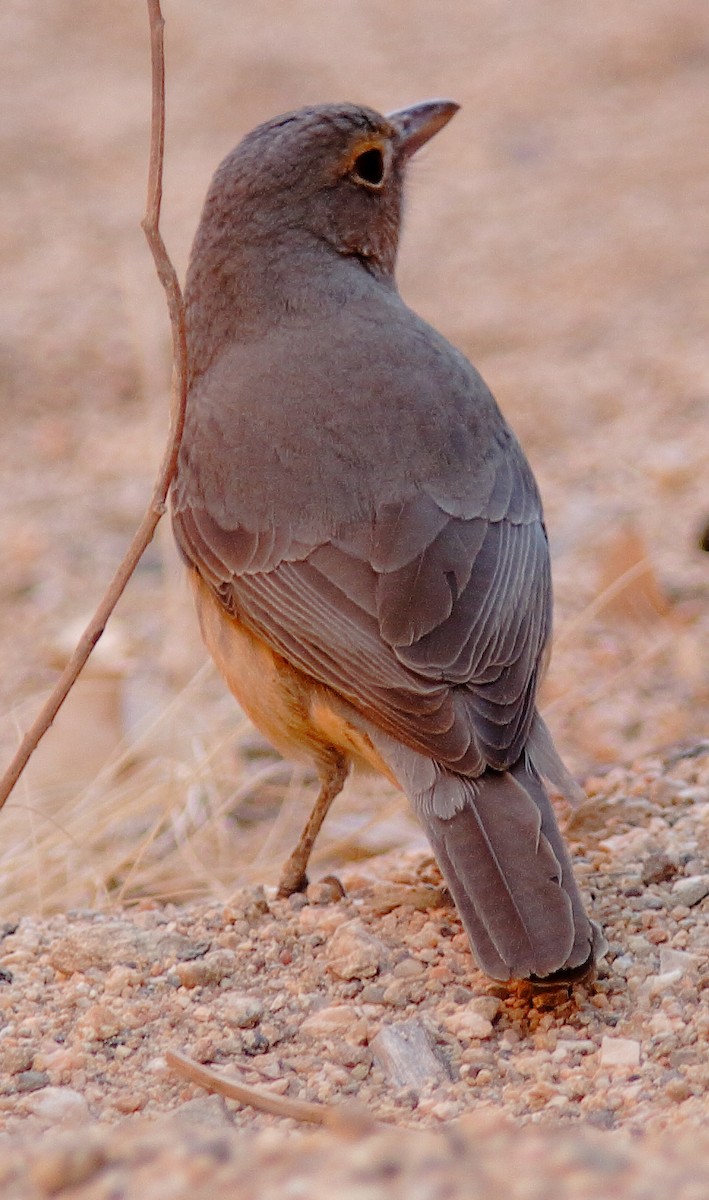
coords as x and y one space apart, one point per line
368 167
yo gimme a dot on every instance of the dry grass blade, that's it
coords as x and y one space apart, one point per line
605 599
345 1119
243 1093
127 831
180 811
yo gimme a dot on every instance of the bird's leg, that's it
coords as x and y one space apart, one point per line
333 773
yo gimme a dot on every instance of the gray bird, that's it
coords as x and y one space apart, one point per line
363 532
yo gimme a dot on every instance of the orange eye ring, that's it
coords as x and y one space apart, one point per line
369 167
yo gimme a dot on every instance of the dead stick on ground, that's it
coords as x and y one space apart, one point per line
345 1119
156 508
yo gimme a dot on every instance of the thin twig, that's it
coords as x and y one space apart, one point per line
156 508
345 1118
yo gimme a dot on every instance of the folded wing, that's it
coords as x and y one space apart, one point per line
432 623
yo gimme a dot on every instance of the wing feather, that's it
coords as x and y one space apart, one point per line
431 623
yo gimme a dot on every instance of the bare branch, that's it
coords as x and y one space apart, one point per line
156 508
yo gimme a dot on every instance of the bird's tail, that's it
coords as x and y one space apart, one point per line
501 852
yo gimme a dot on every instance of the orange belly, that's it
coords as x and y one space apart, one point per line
300 717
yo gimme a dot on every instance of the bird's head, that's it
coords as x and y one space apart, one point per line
332 172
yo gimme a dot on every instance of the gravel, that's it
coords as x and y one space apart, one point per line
358 1000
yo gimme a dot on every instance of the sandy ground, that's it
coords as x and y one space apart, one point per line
557 232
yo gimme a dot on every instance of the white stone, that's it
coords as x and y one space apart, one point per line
620 1052
60 1105
622 846
677 960
690 891
658 985
466 1023
408 1056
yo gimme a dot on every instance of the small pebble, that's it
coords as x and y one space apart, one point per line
354 953
406 1053
325 891
690 891
59 1105
408 968
335 1019
31 1081
201 972
658 868
678 960
466 1023
619 1052
242 1011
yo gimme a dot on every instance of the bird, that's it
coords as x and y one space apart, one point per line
363 533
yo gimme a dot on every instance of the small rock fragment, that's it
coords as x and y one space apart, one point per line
620 1052
678 1090
658 868
339 1019
354 953
60 1105
407 1055
690 891
408 968
214 967
254 1042
486 1006
31 1081
322 918
421 897
15 1059
567 1046
242 1011
109 941
658 985
625 846
101 1022
677 960
203 1110
248 904
400 993
467 1023
372 993
325 891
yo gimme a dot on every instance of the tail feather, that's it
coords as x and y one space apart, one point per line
506 879
502 855
588 939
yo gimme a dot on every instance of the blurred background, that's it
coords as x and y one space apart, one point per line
557 231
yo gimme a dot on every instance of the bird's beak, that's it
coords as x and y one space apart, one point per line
415 125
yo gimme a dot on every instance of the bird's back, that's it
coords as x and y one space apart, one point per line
325 415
